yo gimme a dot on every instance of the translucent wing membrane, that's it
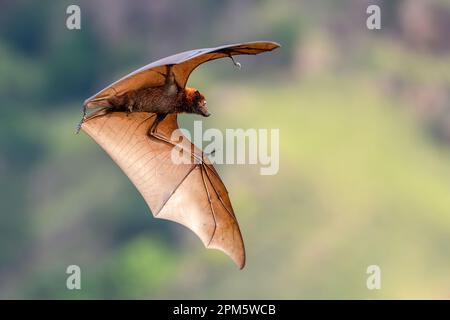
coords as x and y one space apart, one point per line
190 193
154 74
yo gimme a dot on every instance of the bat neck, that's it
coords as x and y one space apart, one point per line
188 103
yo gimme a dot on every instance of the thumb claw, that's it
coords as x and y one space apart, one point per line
237 64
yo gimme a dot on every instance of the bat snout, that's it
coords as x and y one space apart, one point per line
204 109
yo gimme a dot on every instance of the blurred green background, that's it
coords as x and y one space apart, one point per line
364 119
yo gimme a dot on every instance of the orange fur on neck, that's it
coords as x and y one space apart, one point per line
190 94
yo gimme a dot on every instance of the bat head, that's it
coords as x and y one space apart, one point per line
196 102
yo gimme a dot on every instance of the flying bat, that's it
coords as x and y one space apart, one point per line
134 122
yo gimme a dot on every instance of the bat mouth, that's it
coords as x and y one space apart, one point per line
204 110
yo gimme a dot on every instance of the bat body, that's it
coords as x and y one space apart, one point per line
165 99
134 124
157 100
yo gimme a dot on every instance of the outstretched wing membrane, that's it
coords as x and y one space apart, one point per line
154 74
189 192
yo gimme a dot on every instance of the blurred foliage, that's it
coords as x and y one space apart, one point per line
364 119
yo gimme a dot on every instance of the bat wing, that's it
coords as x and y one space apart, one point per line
154 74
189 193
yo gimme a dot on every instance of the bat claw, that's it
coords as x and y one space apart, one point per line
78 127
237 64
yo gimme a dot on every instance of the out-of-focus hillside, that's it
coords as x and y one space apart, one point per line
364 119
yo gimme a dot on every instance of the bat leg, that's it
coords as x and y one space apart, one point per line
154 133
165 76
171 86
153 129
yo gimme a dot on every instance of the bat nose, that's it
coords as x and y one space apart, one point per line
205 111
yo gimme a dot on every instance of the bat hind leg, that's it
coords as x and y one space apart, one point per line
171 86
153 129
154 133
159 117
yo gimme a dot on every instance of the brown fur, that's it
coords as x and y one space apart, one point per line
156 100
